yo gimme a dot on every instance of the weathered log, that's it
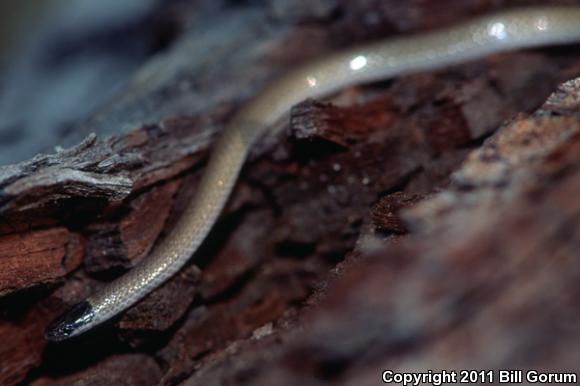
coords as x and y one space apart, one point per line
486 279
37 257
364 175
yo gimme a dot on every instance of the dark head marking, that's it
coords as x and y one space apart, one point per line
65 326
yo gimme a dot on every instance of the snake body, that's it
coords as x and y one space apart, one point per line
515 29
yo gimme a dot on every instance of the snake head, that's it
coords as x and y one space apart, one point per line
71 323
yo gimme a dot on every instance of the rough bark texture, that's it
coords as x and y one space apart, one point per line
429 222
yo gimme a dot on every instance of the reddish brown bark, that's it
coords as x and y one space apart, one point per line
390 226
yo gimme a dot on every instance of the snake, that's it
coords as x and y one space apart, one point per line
478 37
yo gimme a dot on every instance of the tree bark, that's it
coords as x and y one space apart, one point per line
428 222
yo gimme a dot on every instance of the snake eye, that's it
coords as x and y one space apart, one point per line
70 323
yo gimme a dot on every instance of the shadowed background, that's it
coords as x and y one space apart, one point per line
59 61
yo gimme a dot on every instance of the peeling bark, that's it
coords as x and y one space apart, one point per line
390 226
